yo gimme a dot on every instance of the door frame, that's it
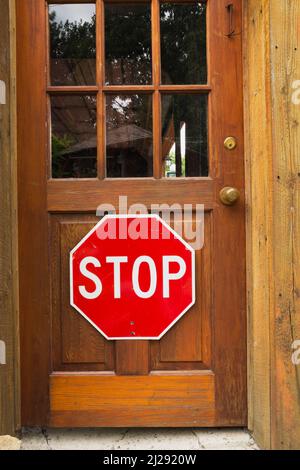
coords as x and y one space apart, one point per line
271 65
261 160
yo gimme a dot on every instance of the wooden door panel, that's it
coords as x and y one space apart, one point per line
183 342
80 343
132 357
76 345
94 400
187 346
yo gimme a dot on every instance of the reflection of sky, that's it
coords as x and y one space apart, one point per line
73 12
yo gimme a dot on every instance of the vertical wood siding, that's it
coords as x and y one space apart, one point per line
9 372
272 65
285 321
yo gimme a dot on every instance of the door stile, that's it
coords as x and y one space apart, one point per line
32 208
229 270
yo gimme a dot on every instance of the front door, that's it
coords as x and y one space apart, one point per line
131 99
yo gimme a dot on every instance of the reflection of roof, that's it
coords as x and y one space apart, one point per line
126 134
85 145
115 137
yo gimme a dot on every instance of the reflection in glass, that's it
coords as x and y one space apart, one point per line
74 136
184 135
128 44
129 143
72 44
183 43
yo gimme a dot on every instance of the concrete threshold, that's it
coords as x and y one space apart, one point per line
136 439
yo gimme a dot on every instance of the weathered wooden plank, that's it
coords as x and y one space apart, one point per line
258 155
273 167
9 379
285 322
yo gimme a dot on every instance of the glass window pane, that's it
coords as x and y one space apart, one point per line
72 44
128 44
183 43
129 143
184 135
74 136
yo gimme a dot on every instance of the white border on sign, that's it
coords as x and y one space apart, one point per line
133 216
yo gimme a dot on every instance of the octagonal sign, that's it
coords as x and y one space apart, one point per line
132 277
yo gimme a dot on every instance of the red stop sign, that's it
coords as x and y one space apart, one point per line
132 277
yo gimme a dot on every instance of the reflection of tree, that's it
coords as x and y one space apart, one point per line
130 109
59 145
171 164
72 51
72 39
183 39
129 135
71 162
128 43
191 110
128 60
73 135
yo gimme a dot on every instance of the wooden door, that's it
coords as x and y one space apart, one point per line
134 99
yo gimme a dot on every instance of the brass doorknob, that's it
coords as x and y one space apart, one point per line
229 196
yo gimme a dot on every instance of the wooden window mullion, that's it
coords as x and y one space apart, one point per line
157 167
100 74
